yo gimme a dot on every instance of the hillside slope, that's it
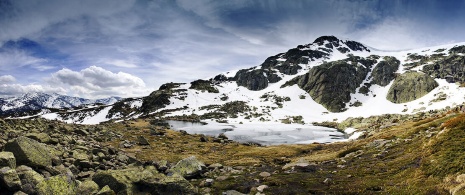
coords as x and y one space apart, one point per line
327 80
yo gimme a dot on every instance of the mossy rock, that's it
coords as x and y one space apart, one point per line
57 185
87 187
29 152
410 86
189 167
29 179
7 159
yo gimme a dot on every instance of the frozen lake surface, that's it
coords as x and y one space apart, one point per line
265 134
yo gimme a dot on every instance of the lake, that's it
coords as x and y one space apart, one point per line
265 134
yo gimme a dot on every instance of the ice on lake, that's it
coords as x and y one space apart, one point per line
265 134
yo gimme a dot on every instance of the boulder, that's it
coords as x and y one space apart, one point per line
189 167
29 179
87 187
40 137
60 184
137 180
7 159
410 86
29 152
169 185
122 181
142 141
9 179
106 191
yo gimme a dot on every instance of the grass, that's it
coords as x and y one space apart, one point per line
415 159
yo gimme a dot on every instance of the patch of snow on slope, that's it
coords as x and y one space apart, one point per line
97 118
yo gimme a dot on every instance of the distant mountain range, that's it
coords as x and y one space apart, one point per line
37 102
329 79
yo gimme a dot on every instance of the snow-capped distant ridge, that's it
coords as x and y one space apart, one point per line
35 101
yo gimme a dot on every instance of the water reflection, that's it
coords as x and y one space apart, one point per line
264 134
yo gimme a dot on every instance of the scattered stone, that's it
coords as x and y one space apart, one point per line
264 174
215 166
232 192
29 152
7 159
142 141
81 132
261 188
222 178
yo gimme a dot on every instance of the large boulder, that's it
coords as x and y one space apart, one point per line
29 152
9 179
189 167
410 86
169 185
29 179
136 180
384 71
7 159
120 181
60 184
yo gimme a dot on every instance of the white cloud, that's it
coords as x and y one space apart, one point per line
10 59
7 79
94 82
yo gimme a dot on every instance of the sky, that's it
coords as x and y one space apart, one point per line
128 48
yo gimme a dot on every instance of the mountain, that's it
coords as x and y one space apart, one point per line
36 102
329 79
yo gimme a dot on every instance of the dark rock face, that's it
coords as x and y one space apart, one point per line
356 46
203 85
257 79
330 84
383 73
322 39
451 68
410 86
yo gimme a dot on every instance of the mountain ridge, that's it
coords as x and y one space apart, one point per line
315 82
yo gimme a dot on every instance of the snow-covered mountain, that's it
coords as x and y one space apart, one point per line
36 102
327 80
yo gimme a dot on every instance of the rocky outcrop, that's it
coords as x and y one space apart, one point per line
410 86
451 68
203 85
29 152
331 84
384 71
256 79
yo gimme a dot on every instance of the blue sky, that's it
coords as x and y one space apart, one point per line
128 48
